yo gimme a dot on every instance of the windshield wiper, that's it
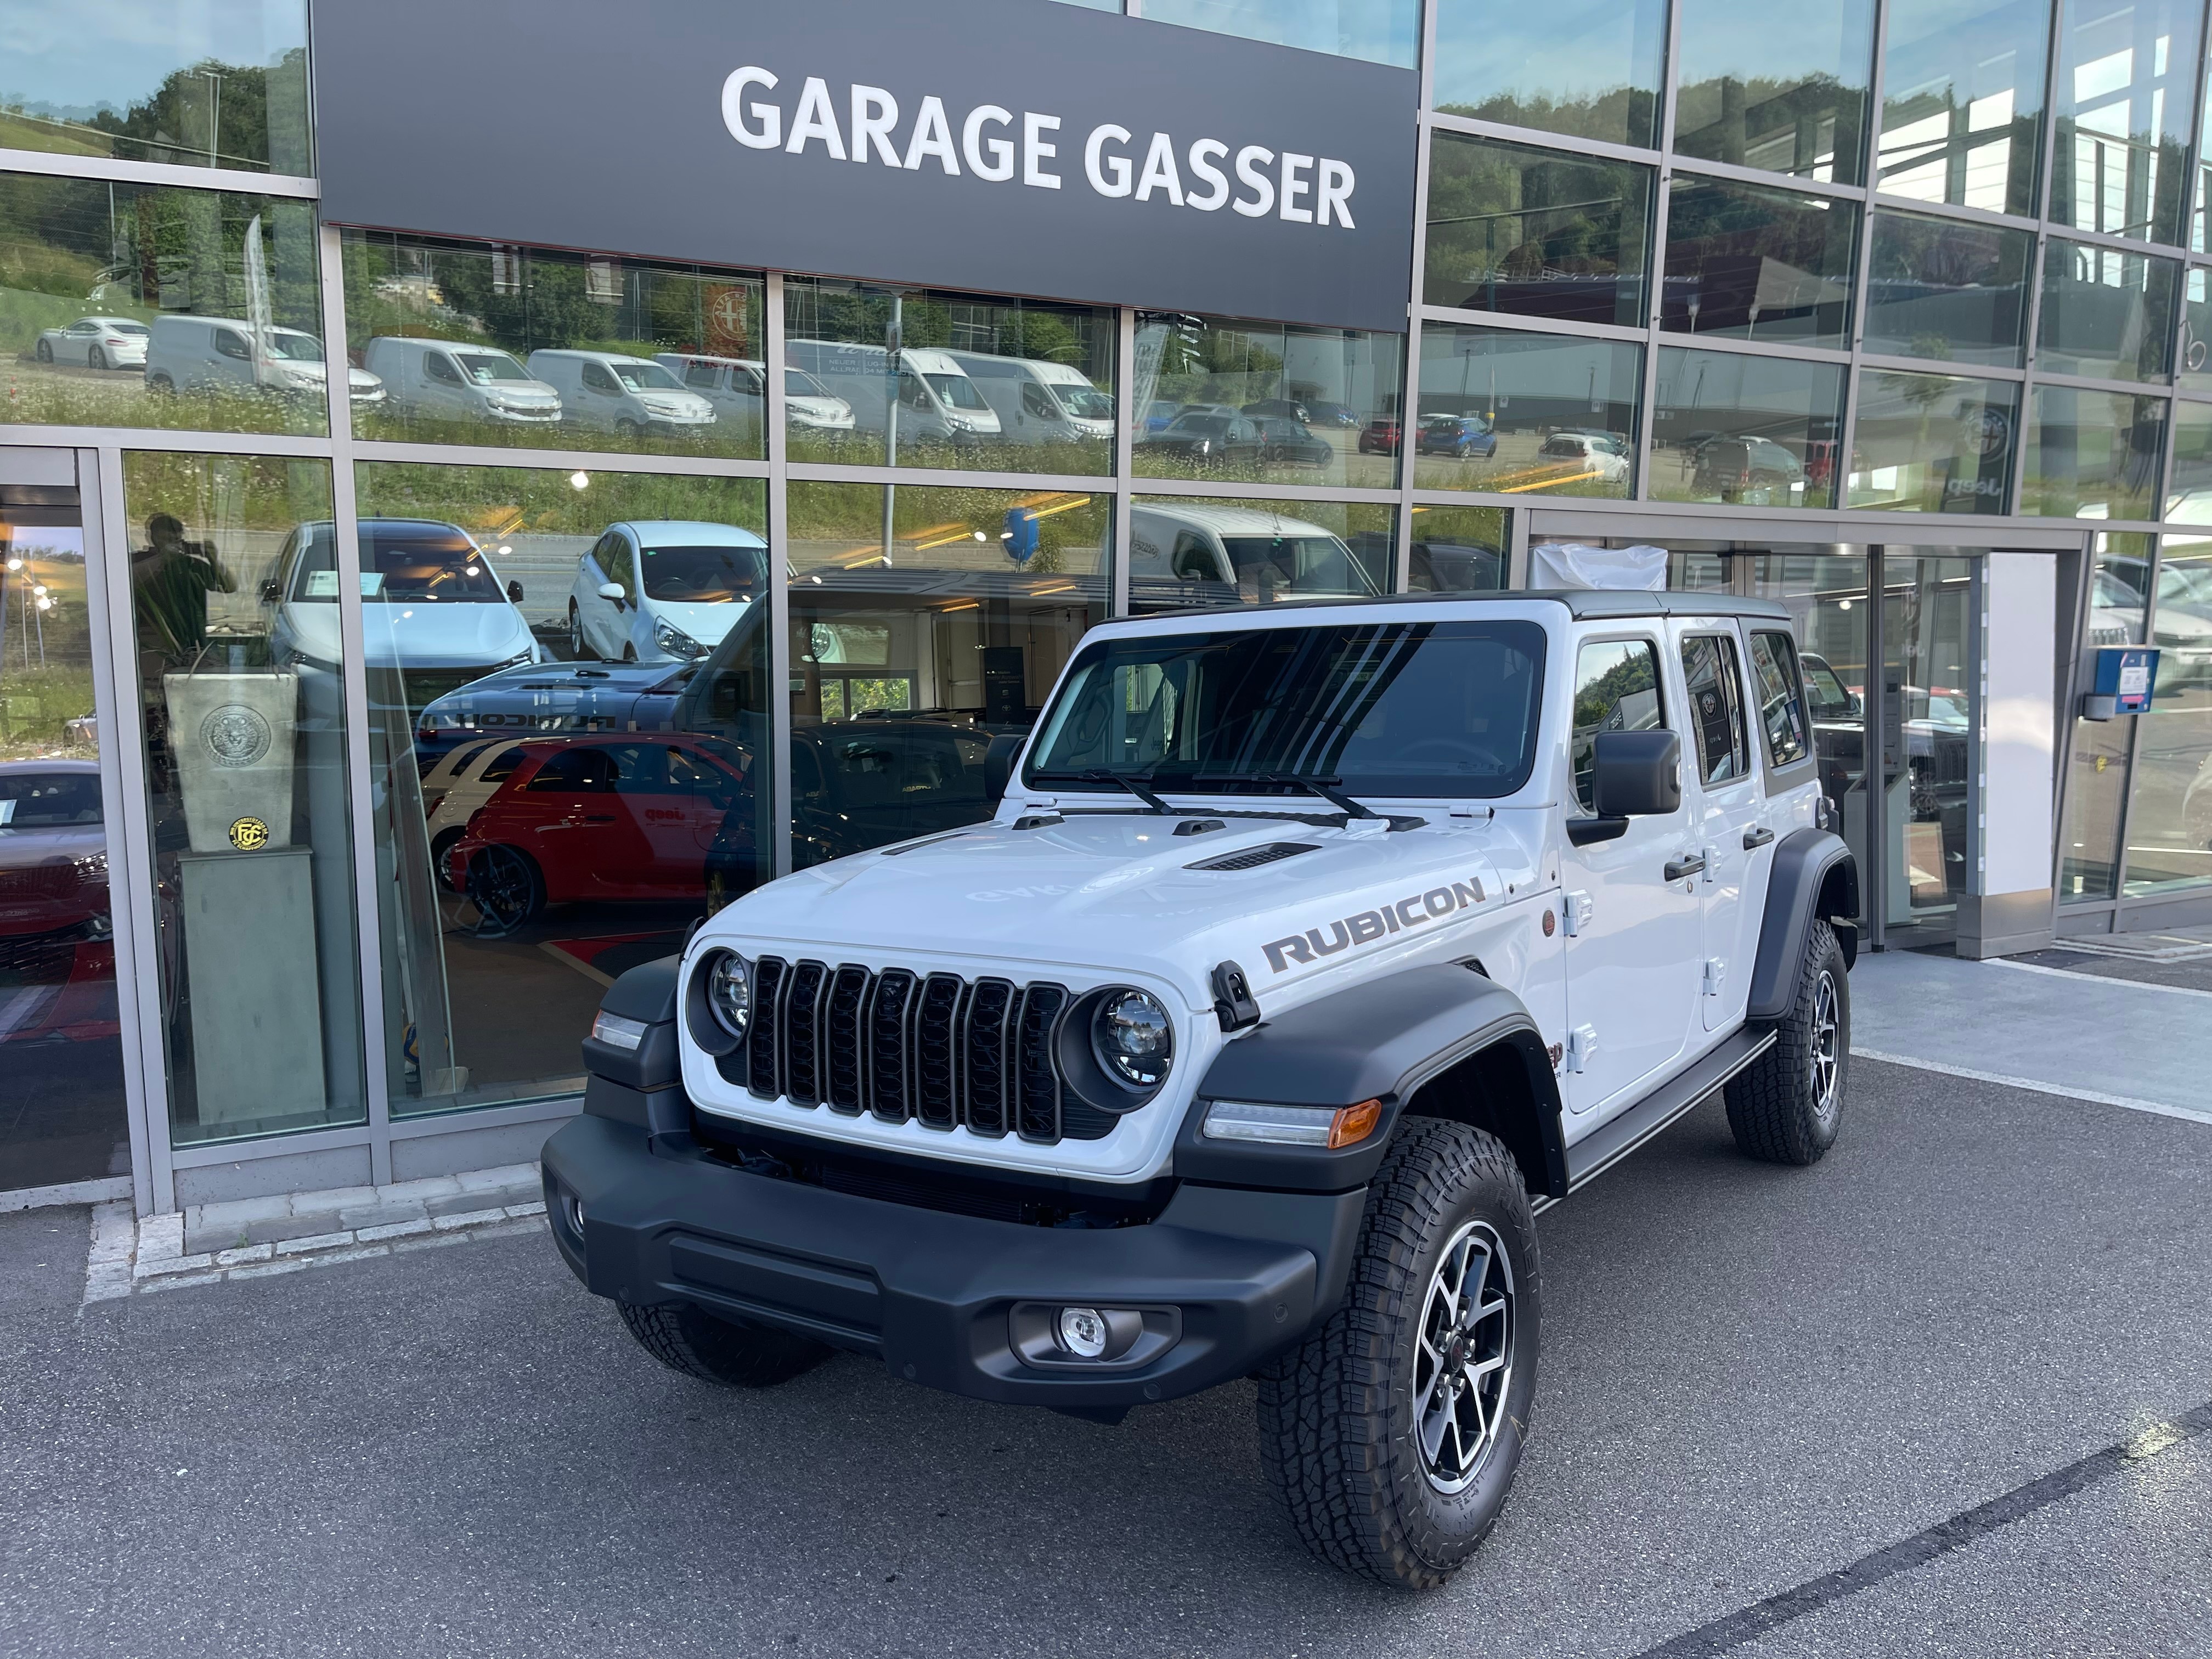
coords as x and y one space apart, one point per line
1323 785
1135 786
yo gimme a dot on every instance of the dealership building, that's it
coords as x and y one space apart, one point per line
485 485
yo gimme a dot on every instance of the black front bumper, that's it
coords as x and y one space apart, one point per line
1238 1274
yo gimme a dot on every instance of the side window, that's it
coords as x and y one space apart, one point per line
439 367
575 772
1616 689
1193 560
1781 698
502 765
231 344
598 378
703 375
619 564
1715 687
603 552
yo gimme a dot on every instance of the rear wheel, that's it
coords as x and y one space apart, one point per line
728 1352
95 358
1786 1106
1393 1432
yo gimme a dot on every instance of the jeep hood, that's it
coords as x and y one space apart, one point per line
1116 891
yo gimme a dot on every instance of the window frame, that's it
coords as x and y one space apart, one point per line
1655 643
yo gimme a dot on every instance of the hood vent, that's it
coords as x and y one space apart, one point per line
1252 857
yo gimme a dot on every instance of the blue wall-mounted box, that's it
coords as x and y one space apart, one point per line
2125 677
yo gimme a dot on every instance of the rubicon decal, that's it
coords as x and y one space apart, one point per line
867 125
1414 910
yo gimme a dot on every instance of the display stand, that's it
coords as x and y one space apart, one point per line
257 1021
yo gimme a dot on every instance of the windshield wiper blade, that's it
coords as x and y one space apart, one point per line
1321 784
1136 785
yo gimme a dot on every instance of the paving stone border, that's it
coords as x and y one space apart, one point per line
262 1237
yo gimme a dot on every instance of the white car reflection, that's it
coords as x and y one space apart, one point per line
733 386
96 343
662 590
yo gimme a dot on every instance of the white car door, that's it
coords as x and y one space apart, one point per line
601 627
1632 912
1730 812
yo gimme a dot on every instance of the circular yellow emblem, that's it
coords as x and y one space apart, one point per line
249 835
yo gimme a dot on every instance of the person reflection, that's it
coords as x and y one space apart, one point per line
170 580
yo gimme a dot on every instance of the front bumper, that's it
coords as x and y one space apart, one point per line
1239 1274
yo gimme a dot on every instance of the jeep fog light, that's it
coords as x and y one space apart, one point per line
1083 1332
1291 1125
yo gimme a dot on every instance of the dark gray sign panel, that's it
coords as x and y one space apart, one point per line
1005 146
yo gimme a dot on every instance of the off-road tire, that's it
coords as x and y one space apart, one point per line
727 1352
1337 1413
1779 1106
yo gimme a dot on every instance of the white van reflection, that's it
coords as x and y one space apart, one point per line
211 354
456 378
606 391
1189 553
733 386
432 609
937 401
1039 402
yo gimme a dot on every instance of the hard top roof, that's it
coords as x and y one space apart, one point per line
1583 604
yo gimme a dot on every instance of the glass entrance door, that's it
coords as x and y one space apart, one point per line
63 1117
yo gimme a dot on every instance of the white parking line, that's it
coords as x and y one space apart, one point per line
2156 1108
2100 979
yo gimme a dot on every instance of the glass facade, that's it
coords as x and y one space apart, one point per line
662 579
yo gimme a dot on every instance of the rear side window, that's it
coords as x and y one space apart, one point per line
1616 689
1781 690
502 765
1715 687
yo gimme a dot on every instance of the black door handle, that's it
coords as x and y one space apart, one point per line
1692 865
1757 835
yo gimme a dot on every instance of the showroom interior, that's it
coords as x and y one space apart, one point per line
356 730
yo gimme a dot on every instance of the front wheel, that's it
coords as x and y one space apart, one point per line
508 892
579 648
1393 1433
46 351
1786 1106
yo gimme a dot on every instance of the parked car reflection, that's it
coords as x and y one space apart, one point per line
1190 554
434 612
545 700
54 858
96 343
662 590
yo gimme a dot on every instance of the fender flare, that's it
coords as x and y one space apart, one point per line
1384 1039
1814 876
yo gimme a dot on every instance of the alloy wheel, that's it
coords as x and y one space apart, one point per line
1463 1363
1826 1058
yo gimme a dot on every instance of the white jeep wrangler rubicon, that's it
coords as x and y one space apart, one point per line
1312 949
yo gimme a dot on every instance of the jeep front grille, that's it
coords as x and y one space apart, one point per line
899 1045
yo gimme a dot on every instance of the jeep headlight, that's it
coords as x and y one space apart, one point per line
1133 1038
730 992
674 640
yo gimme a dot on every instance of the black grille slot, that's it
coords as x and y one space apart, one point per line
890 1064
1037 1080
802 1034
935 1048
841 1052
1252 857
771 979
936 1051
984 1061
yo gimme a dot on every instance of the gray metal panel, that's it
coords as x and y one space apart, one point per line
636 153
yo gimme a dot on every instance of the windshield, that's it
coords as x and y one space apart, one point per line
1086 403
485 366
1395 709
406 564
957 391
646 376
1205 426
42 799
701 575
300 348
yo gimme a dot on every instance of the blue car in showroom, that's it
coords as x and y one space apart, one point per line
550 700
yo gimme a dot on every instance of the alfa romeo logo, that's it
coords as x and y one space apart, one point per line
1989 434
235 735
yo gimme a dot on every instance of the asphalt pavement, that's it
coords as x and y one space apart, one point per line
1757 1383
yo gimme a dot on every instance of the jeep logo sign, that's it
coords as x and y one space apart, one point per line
1412 911
1002 145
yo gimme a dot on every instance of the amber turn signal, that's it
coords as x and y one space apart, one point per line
1354 1123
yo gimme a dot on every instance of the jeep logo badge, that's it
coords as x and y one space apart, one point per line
1369 925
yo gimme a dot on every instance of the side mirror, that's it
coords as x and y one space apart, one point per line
1637 774
999 765
272 591
611 590
515 591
